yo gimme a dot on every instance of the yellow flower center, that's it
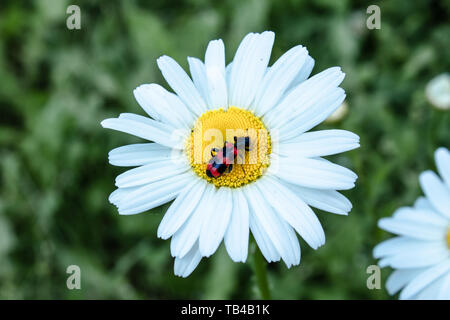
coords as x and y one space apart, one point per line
213 128
448 238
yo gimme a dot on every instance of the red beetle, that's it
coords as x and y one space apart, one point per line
222 159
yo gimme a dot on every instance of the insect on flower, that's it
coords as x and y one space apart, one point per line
223 160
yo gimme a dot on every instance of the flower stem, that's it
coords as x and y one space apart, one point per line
259 265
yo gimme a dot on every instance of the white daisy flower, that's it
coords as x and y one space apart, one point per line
421 252
438 91
270 191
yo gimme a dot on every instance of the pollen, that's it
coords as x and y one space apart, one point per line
448 237
215 127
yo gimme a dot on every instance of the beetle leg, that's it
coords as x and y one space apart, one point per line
230 167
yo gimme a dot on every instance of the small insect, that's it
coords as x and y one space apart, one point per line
222 159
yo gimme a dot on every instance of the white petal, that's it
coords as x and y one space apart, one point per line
402 252
139 154
303 74
314 173
216 222
236 236
117 195
304 96
154 194
295 245
416 260
312 115
399 278
326 200
397 245
278 78
150 173
293 210
215 73
278 231
424 279
198 73
188 233
423 203
249 66
154 100
181 209
431 291
436 192
421 216
150 130
442 157
262 239
444 293
319 143
183 267
228 73
180 82
144 120
411 228
176 104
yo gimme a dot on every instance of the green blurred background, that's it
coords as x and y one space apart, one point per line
58 84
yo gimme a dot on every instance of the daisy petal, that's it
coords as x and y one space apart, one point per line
304 96
183 267
236 236
411 229
400 278
303 74
279 231
442 157
436 192
148 129
216 222
423 203
153 195
402 252
249 66
420 216
198 73
397 245
228 73
319 143
431 291
117 195
180 82
153 99
314 173
181 209
263 241
312 114
444 293
278 78
424 279
215 73
149 173
326 200
139 154
188 233
294 211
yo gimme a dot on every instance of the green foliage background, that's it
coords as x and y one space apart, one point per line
58 84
